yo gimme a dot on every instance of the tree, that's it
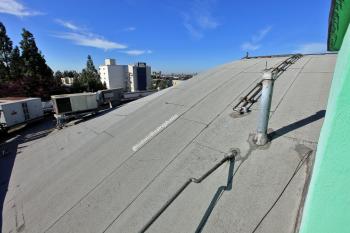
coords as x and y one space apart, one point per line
77 85
5 53
90 67
70 73
90 79
16 65
58 75
37 75
58 78
74 74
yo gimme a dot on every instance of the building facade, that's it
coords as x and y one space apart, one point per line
129 77
67 81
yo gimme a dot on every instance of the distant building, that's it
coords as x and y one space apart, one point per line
177 81
129 77
139 77
67 81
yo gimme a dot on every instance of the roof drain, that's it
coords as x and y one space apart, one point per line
230 157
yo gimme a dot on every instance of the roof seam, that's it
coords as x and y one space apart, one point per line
178 154
290 86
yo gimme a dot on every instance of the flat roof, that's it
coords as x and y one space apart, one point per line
113 172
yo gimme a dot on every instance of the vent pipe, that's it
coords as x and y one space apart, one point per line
265 106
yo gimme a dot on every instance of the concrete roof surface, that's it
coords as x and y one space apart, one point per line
113 172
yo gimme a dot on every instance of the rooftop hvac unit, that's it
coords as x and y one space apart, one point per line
74 103
14 111
110 96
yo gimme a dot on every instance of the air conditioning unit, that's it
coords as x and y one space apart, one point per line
74 103
15 110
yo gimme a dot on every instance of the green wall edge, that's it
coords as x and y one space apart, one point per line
327 206
338 23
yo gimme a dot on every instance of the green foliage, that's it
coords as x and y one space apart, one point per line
5 53
89 79
90 67
58 75
161 84
70 73
16 64
37 75
23 71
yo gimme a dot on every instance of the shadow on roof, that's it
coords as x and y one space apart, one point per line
217 196
298 124
9 146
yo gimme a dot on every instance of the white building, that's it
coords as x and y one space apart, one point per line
130 77
67 81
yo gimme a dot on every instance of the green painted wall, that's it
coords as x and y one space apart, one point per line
338 23
327 207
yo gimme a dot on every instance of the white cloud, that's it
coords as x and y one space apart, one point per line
311 48
254 43
90 40
195 33
199 18
261 34
207 22
137 52
130 29
82 37
14 7
67 24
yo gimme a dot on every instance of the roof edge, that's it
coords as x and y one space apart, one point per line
288 55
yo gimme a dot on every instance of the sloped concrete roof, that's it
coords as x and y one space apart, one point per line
90 177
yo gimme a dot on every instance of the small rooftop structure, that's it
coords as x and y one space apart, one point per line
110 62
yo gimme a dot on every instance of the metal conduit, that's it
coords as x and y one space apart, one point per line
183 187
254 94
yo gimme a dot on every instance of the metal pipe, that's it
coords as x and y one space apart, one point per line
183 187
265 106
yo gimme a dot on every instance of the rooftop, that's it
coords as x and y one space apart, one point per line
113 172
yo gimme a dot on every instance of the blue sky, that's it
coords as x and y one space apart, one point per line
172 36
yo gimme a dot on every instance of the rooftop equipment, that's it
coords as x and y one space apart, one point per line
112 97
246 102
230 157
15 111
74 103
73 106
266 98
264 90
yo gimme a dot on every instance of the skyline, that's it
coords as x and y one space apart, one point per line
182 36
